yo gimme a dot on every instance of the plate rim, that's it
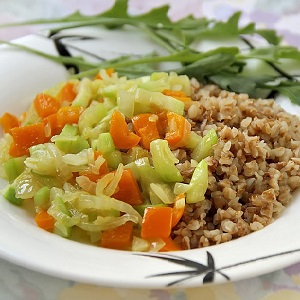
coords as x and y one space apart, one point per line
199 256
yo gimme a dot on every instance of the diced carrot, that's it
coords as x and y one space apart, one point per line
68 115
178 209
9 121
91 176
122 137
156 222
102 170
26 136
109 72
104 167
51 126
67 92
178 130
145 126
45 105
129 191
179 95
118 238
170 245
44 220
162 122
96 176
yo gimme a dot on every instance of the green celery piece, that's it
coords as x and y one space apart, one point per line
110 91
14 167
113 159
62 230
147 174
91 116
61 206
204 147
84 95
147 101
106 146
125 101
42 197
105 143
132 166
164 161
198 184
10 196
154 199
193 140
70 130
59 227
72 145
161 193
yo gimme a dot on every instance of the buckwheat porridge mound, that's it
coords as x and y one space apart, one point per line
254 169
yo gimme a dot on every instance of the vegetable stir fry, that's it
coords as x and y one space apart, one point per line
99 156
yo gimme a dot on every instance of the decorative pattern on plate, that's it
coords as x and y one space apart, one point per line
208 270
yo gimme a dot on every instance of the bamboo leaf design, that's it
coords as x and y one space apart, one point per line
208 270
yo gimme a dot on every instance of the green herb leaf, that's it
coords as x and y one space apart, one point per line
224 66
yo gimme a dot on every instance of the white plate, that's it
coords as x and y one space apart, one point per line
21 242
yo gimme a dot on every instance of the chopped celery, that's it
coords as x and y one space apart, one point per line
62 230
163 191
193 140
69 140
198 184
205 147
10 195
65 220
146 101
164 161
42 198
125 101
113 159
147 174
154 199
180 187
132 166
87 90
180 82
110 91
70 130
91 116
72 145
14 167
154 86
105 143
61 206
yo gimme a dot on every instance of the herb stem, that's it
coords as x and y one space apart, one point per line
271 64
156 38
